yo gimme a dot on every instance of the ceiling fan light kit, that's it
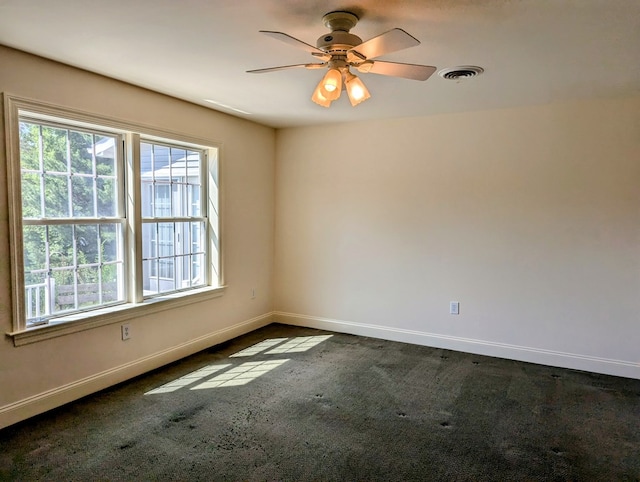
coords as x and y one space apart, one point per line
356 90
319 98
341 50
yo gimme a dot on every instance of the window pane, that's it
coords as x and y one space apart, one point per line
194 160
88 250
162 200
147 196
31 195
194 200
35 253
166 273
107 192
110 283
54 153
179 165
60 240
89 292
150 276
179 208
109 240
83 196
146 160
197 271
29 146
178 162
36 297
197 241
105 152
149 240
161 161
166 239
81 149
56 196
64 290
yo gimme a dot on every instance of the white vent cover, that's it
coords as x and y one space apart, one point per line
460 73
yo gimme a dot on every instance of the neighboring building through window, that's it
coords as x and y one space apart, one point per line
173 226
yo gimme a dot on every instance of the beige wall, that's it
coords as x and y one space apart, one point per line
529 217
247 157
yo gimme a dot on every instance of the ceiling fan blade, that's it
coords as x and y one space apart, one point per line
391 41
396 69
288 39
285 67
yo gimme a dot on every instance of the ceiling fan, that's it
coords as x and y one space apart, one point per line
340 50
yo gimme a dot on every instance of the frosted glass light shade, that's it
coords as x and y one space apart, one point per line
318 96
356 90
332 84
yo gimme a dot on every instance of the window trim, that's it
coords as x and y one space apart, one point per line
14 108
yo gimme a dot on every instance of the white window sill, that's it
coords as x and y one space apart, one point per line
66 325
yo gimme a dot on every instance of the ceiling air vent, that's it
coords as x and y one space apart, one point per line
461 73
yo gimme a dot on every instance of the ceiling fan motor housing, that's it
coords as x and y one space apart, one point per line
339 39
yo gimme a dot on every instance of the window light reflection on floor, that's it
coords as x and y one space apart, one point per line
299 344
259 347
188 379
240 375
246 372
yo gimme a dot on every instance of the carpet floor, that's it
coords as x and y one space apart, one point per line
297 404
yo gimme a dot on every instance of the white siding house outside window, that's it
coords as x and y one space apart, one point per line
173 226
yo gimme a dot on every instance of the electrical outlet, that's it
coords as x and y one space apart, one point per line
253 293
126 333
454 308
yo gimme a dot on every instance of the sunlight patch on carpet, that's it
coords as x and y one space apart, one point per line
188 379
259 347
240 375
299 344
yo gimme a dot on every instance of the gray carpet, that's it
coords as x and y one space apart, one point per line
346 408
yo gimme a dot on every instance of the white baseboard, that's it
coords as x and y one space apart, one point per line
573 361
23 409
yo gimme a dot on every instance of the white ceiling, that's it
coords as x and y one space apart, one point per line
533 51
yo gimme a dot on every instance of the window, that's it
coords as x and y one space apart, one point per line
106 219
72 219
173 227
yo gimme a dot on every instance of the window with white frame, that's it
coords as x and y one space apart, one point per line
104 218
73 219
173 225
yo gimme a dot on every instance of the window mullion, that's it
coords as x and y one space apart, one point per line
134 218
